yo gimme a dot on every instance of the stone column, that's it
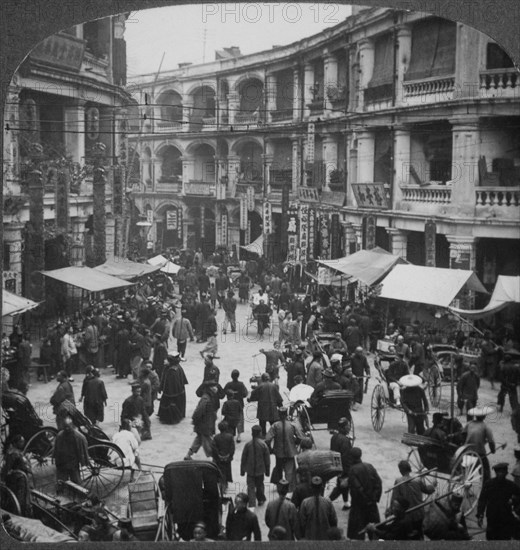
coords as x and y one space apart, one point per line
110 236
295 163
330 70
297 94
187 107
404 52
358 233
401 164
366 151
463 256
398 241
467 62
268 161
330 157
233 106
74 131
308 85
35 244
352 155
271 91
99 222
350 236
465 156
13 236
11 146
366 60
233 170
78 237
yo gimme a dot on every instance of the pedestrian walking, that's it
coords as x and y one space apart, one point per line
295 368
282 513
478 434
240 393
273 359
315 371
231 411
204 418
91 342
360 369
230 306
181 331
172 407
62 399
95 397
134 410
269 399
509 376
223 453
242 523
69 351
316 514
341 443
365 490
255 464
414 403
467 389
303 487
282 439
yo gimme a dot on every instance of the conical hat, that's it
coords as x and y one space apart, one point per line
410 380
481 411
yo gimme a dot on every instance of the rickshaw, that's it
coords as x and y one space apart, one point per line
252 318
333 405
106 467
191 492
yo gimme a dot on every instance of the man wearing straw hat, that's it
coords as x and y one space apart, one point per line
478 433
414 403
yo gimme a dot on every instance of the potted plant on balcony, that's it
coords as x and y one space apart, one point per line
336 176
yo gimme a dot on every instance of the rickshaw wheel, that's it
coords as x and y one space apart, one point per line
39 449
467 478
105 471
434 380
377 407
9 501
306 424
417 466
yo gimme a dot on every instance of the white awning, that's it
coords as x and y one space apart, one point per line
256 247
507 291
126 269
12 304
428 285
157 260
367 266
86 278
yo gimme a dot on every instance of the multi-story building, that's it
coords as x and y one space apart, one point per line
64 145
393 128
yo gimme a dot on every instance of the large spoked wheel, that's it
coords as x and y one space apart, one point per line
439 482
467 477
434 379
40 449
9 501
377 407
105 471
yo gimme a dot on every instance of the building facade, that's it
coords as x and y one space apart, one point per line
65 152
394 129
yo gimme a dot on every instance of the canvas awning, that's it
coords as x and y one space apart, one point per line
367 266
86 278
126 269
256 247
428 285
12 304
166 266
507 291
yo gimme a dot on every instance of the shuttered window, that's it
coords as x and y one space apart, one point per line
383 61
433 49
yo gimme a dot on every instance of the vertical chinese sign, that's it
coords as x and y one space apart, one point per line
335 237
430 230
324 236
224 228
304 231
243 213
250 198
311 239
369 232
284 221
292 233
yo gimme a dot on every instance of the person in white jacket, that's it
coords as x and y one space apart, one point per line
69 352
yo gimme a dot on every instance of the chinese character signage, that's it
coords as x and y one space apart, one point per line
62 200
304 231
172 221
61 51
243 213
335 237
149 215
250 198
369 232
311 216
117 191
268 219
308 194
370 195
284 219
292 233
310 141
224 228
430 230
324 236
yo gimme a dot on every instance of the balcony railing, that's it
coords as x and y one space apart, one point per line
168 126
247 118
283 114
433 194
209 123
200 188
499 83
498 196
429 89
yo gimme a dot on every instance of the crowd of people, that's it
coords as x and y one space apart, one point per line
144 335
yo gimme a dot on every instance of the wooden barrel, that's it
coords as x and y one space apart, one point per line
326 464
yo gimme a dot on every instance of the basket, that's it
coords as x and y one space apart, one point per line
326 464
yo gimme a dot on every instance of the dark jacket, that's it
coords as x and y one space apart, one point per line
255 460
204 416
269 399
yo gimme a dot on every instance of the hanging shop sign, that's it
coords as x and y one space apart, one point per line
243 213
250 198
149 215
202 222
309 194
311 129
430 230
370 195
304 231
172 219
335 237
324 236
224 228
369 232
311 216
292 230
267 216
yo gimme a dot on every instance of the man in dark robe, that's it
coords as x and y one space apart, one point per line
269 399
172 408
134 408
96 397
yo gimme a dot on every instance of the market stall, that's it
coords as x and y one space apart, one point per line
126 269
166 266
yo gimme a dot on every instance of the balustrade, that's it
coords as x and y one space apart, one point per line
433 194
498 196
168 126
432 86
499 82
